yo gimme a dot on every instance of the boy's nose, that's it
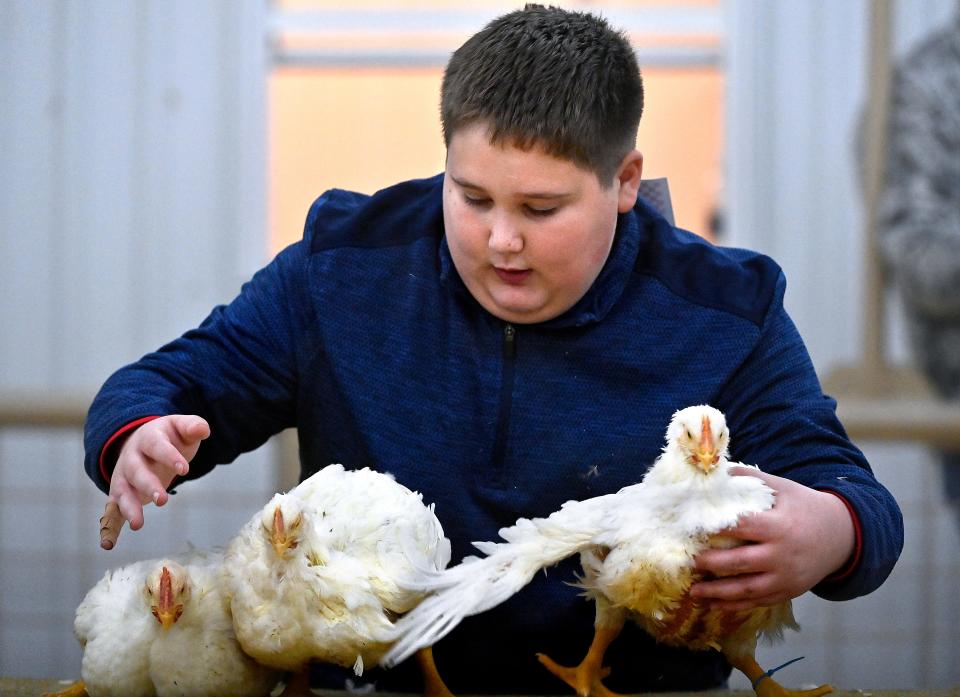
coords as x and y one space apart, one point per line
505 238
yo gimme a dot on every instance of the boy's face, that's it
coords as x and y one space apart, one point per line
528 232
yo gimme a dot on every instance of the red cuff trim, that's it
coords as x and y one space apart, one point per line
115 439
849 567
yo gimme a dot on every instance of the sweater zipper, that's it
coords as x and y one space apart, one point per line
506 401
509 341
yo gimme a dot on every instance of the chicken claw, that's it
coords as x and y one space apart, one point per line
77 689
766 686
586 681
585 678
111 522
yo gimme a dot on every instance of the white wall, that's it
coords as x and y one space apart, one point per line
132 180
796 76
133 176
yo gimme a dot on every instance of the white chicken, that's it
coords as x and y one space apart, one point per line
114 626
198 655
316 575
637 548
160 628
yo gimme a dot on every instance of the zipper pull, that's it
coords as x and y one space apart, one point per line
509 341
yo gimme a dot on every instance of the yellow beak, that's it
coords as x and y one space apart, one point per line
706 456
278 536
166 612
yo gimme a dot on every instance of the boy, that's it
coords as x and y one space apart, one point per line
510 335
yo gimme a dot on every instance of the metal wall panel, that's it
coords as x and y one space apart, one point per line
133 199
797 76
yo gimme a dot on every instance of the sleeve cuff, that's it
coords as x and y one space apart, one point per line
108 454
852 563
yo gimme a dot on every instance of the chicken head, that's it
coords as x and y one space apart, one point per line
167 590
282 522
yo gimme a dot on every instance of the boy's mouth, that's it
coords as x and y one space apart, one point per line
512 276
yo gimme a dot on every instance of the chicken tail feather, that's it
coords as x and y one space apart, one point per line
477 585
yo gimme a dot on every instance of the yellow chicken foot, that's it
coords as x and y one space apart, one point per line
433 685
585 678
766 686
77 689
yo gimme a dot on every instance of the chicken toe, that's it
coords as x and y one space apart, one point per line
765 686
584 678
77 689
770 688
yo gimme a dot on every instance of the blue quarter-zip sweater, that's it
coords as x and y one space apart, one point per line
364 338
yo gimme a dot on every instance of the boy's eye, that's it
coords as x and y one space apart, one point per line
475 201
540 212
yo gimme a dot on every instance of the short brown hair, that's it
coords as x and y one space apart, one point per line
546 76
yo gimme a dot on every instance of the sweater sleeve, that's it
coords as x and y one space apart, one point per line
782 422
237 370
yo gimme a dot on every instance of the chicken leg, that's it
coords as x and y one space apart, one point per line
297 684
766 686
433 685
586 677
77 689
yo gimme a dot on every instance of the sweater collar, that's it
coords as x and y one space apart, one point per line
599 298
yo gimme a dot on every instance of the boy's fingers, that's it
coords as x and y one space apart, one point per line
131 509
191 429
739 605
156 455
748 587
730 562
147 486
111 523
162 452
771 480
751 527
745 471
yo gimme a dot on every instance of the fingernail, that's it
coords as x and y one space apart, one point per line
156 496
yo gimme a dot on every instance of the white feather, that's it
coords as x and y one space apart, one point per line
127 653
659 524
362 544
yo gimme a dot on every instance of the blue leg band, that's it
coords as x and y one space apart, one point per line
774 670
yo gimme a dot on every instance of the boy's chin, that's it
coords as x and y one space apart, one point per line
510 310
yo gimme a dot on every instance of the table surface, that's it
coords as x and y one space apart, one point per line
25 687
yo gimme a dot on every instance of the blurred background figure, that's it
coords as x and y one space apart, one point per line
919 215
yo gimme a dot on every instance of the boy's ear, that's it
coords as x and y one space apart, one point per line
628 180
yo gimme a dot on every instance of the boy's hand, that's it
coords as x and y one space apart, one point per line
149 459
805 537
